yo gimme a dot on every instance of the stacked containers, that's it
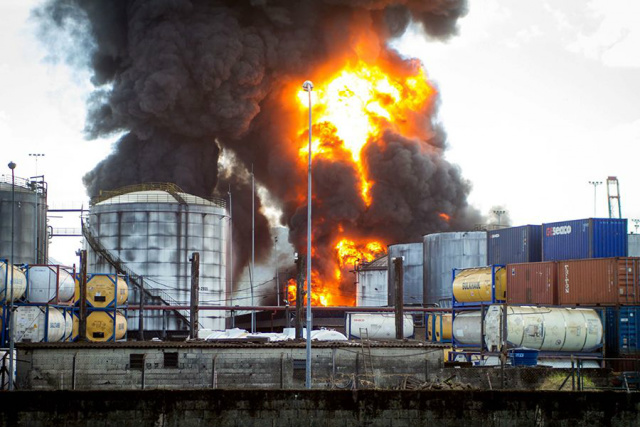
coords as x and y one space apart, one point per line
514 245
532 283
584 238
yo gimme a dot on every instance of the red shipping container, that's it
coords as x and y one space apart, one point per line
532 283
599 281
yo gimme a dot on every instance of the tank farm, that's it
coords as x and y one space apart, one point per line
395 303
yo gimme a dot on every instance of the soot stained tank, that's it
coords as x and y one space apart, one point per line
30 220
154 229
413 283
442 253
372 283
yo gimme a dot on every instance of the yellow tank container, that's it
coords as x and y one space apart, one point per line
100 326
475 284
101 289
443 327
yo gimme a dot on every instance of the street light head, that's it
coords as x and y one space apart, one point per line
307 86
12 165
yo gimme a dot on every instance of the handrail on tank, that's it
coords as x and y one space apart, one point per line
174 190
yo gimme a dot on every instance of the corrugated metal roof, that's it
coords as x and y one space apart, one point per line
226 344
381 263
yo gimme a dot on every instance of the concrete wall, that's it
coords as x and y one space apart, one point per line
83 367
311 408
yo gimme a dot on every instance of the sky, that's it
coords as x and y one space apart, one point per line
538 98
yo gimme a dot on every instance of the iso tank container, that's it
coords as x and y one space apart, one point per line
479 285
8 288
371 290
514 245
599 281
623 331
442 253
49 283
413 269
104 290
584 238
29 210
154 231
467 328
376 326
38 324
534 283
102 326
545 328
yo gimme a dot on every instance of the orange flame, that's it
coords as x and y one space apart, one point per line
444 216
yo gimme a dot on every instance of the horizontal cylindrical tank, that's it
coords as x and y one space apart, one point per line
442 253
477 284
377 326
19 283
584 238
413 270
49 283
102 289
102 326
467 328
545 328
443 327
532 283
38 324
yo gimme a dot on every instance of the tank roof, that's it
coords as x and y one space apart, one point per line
154 193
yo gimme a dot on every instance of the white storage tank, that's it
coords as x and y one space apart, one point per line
545 328
19 282
467 328
38 324
49 283
377 326
371 290
154 229
442 253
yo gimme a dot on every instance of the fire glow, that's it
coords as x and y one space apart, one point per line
351 108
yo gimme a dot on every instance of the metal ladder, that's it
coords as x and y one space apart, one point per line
367 363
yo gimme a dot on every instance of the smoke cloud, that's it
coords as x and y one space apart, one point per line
181 80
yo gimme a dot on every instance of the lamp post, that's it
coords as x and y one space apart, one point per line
308 86
595 186
12 166
36 155
636 222
499 214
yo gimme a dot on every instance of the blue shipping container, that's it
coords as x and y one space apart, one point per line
622 329
514 245
584 238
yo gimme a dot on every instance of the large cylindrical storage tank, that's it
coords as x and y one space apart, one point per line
442 253
154 230
545 328
49 283
30 220
19 282
413 270
38 323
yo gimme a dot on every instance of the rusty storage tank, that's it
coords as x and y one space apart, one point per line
545 328
514 245
477 285
154 229
19 282
371 290
599 281
413 270
532 283
442 253
30 220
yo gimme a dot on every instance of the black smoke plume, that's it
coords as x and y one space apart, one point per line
181 80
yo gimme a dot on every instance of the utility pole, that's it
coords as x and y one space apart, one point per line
195 291
399 302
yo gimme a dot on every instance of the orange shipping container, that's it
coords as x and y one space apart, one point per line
599 281
533 283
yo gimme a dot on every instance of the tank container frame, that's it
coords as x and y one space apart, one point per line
4 335
58 267
458 304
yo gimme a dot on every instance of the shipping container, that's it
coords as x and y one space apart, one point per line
584 238
532 283
623 330
633 244
599 281
514 245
